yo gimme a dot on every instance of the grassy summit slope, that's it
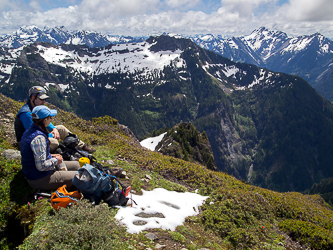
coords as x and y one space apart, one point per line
236 214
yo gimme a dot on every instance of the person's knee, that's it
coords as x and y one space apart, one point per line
65 177
72 165
63 131
54 144
60 127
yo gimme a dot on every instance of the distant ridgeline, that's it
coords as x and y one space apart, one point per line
270 129
308 56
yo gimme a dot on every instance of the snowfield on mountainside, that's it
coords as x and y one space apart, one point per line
121 57
174 206
152 142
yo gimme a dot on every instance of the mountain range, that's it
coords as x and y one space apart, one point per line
58 35
270 129
308 56
260 124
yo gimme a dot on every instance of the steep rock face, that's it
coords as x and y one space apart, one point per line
324 82
229 148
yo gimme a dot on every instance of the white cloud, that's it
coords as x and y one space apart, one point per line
35 5
308 10
182 3
244 8
106 9
141 17
6 5
55 17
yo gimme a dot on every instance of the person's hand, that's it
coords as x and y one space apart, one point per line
59 157
55 134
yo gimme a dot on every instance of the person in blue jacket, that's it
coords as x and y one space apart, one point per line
38 96
41 169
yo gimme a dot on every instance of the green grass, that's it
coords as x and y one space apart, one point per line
177 236
104 153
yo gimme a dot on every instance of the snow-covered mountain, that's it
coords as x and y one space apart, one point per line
58 35
130 58
310 57
142 62
262 45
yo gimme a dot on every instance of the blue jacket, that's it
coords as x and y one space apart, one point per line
23 121
28 161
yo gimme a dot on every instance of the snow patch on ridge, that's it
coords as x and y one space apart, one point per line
121 57
230 70
261 79
152 142
6 68
297 44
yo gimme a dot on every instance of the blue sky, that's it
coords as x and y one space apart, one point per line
143 17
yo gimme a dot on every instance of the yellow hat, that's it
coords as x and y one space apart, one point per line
84 160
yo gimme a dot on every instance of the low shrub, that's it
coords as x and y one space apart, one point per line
81 227
308 233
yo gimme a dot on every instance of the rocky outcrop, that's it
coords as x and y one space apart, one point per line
184 141
7 120
11 154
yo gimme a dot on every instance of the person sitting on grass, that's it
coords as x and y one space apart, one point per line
38 96
40 168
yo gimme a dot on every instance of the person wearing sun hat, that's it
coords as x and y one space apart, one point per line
38 96
39 166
